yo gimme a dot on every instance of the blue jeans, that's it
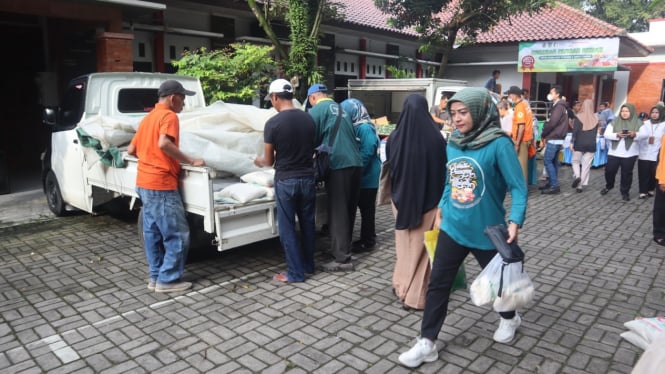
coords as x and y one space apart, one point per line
165 234
296 197
551 161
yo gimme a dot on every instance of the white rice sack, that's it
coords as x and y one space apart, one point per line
652 360
263 178
243 192
647 328
634 339
270 192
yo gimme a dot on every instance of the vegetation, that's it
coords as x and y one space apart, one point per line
397 73
304 18
439 22
632 15
235 74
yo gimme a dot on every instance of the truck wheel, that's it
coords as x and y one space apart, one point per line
139 228
53 195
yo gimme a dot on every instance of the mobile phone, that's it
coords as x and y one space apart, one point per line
625 132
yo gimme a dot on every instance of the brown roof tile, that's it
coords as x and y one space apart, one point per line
559 22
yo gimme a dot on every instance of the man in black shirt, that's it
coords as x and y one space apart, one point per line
289 145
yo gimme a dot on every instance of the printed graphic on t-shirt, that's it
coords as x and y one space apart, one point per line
466 182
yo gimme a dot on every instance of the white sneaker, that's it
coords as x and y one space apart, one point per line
506 331
423 351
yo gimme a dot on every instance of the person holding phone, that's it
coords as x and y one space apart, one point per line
624 136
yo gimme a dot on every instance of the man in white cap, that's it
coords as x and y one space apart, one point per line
343 182
165 228
289 145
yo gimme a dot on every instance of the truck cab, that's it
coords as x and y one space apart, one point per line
129 96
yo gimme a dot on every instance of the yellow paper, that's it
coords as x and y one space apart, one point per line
430 243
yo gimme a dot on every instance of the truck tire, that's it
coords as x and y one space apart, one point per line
53 195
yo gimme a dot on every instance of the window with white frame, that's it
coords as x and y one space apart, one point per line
346 64
375 67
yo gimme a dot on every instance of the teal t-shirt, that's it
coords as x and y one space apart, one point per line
477 181
369 154
345 151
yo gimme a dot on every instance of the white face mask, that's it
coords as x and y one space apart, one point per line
511 101
550 97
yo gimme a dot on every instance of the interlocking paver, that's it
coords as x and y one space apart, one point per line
82 278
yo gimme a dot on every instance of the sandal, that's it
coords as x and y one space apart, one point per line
660 241
281 278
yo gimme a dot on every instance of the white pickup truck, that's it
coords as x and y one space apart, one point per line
74 178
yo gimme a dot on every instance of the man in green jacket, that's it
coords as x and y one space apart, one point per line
343 182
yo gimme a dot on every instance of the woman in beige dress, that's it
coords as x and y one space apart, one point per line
416 153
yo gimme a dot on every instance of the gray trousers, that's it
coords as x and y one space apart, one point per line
343 187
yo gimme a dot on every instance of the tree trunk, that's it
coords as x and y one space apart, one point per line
447 50
265 25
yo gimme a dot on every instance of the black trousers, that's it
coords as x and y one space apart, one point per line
659 214
627 165
367 207
646 175
343 188
449 257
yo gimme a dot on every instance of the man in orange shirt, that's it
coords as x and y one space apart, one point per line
522 133
165 228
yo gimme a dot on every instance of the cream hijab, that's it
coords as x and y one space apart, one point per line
587 116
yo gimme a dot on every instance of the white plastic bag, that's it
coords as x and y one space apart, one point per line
517 290
485 287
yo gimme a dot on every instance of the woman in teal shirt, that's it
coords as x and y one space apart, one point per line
369 179
482 167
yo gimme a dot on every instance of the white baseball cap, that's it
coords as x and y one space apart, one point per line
279 86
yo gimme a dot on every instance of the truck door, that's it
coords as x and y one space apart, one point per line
66 152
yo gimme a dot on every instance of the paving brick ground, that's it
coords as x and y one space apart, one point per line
73 298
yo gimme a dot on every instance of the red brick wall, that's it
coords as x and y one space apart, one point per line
645 85
114 52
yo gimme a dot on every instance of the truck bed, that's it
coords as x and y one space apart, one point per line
234 224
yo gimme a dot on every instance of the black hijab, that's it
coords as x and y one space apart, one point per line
416 152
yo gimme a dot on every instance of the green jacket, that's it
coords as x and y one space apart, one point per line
345 151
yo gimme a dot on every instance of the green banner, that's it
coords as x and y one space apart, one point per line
599 54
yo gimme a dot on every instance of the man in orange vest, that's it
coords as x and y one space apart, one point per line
522 133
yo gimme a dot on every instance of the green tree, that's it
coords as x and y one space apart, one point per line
632 15
468 17
304 18
234 74
397 72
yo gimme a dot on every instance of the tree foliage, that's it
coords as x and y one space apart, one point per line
234 74
632 15
441 22
398 73
304 18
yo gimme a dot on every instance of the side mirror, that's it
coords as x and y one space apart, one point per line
50 116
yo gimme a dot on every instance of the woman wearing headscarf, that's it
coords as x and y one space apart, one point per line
482 168
651 132
369 179
416 153
623 151
583 144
